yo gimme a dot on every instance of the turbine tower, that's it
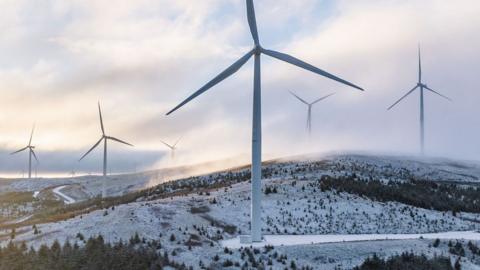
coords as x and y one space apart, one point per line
256 52
31 153
172 147
104 138
309 113
420 85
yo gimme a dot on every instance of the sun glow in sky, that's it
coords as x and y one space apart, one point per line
141 58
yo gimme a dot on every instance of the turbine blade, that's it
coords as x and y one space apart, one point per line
301 100
433 91
35 156
101 120
93 147
299 63
18 151
31 135
222 76
322 98
168 145
252 22
419 65
398 101
120 141
177 142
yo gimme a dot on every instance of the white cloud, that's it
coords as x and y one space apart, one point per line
140 58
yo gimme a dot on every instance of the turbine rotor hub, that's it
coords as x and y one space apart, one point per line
258 49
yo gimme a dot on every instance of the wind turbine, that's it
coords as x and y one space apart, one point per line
420 85
256 52
172 147
31 153
104 138
310 105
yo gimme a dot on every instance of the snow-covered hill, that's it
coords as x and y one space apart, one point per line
191 217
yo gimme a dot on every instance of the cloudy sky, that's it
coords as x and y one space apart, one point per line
140 58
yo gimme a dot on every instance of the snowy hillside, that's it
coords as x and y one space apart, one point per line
193 217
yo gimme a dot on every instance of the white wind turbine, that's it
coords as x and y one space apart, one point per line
310 105
31 153
256 52
104 138
173 147
420 85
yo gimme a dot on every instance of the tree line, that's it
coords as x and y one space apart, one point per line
418 193
94 254
408 260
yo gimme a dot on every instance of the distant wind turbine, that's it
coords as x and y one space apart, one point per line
422 87
104 138
31 153
310 105
172 147
256 52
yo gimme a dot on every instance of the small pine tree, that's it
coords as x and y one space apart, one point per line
227 263
458 266
80 236
35 229
136 238
293 265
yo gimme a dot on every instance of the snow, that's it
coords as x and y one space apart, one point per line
331 223
20 220
294 240
325 229
90 186
428 168
67 199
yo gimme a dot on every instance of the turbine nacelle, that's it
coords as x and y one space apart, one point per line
257 50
